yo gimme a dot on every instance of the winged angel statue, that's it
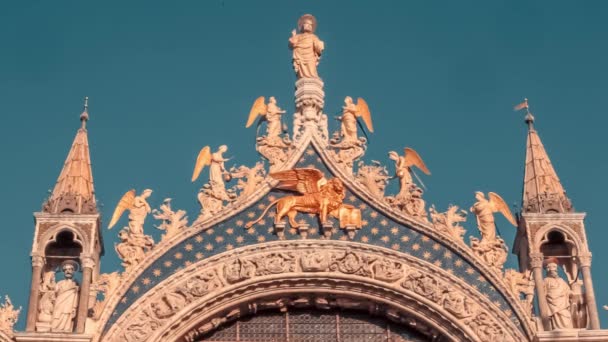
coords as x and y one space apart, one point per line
217 171
271 113
134 243
404 171
318 196
274 145
350 113
491 249
484 210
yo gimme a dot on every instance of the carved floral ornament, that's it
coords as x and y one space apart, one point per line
214 291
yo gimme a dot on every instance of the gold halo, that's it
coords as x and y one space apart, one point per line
307 16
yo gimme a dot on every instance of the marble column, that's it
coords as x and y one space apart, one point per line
83 301
536 262
585 266
32 308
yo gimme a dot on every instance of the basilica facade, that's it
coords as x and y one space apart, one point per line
306 245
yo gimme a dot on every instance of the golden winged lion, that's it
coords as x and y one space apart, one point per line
484 209
318 196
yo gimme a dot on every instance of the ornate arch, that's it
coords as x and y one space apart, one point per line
339 273
51 235
570 235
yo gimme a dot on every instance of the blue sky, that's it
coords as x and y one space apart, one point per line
166 79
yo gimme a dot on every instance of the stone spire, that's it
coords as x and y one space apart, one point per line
543 192
74 192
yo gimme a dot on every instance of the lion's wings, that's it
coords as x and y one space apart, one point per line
258 107
498 204
413 158
304 181
364 113
203 159
125 203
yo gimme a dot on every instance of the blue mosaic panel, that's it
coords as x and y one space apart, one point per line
377 230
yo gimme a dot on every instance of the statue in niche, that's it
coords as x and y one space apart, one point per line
307 48
275 144
134 243
491 249
66 299
172 221
46 303
558 297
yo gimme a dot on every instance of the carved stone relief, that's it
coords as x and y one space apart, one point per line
8 316
166 303
173 222
449 221
374 177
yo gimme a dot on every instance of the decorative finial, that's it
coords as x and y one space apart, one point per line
529 117
84 117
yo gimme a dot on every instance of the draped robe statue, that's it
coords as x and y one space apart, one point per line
307 48
66 301
558 298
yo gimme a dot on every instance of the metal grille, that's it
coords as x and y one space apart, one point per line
313 326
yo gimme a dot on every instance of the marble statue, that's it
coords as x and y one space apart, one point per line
66 299
46 303
138 210
272 114
558 297
484 210
134 243
217 171
275 145
491 249
403 169
307 48
348 121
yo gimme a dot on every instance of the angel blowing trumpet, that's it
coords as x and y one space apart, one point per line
319 196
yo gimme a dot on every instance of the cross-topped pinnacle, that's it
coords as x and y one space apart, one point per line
84 116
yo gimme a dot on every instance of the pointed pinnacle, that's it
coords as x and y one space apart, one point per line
84 117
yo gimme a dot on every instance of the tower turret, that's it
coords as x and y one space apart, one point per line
67 241
551 235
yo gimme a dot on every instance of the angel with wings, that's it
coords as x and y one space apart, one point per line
271 113
217 171
484 209
318 195
138 210
403 168
350 113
